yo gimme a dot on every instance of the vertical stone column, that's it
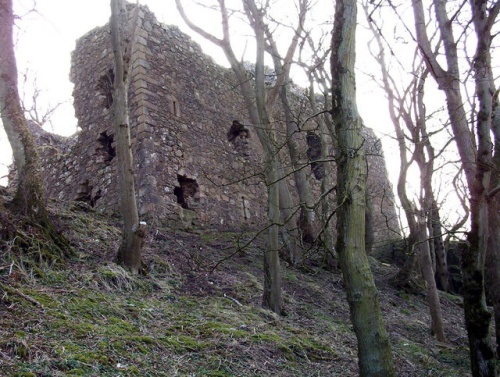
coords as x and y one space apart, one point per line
141 101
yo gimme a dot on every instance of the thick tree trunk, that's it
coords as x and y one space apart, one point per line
374 349
133 233
30 199
493 264
30 194
493 253
477 316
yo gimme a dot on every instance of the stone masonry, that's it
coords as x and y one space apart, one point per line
182 105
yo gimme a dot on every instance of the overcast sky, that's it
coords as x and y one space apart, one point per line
46 37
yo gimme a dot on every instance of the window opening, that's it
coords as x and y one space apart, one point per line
106 148
105 88
314 154
186 192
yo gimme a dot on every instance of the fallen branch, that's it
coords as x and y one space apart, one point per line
233 300
15 291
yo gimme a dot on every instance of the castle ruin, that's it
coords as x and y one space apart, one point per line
182 105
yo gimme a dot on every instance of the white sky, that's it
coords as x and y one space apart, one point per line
46 38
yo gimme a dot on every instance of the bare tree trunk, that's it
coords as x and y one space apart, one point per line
30 198
477 316
282 87
442 273
272 273
326 233
424 257
285 200
133 233
493 257
493 253
476 163
307 214
271 297
374 348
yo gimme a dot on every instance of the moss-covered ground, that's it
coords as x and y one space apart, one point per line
89 317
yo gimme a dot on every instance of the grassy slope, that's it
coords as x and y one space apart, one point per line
92 318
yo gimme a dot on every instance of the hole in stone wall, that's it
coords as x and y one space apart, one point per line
237 130
106 148
314 153
186 191
85 194
105 88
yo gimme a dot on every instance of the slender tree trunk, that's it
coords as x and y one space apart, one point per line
326 233
424 257
272 273
307 215
374 348
441 274
133 233
282 87
290 231
271 297
30 197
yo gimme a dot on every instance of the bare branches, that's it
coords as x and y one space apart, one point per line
202 32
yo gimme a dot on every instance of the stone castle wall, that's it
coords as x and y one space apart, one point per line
181 107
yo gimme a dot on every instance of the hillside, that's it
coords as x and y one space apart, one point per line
185 318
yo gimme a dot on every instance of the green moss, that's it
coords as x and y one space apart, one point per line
184 343
118 326
56 278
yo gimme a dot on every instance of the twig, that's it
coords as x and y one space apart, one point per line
233 300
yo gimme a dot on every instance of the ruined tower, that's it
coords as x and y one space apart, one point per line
182 105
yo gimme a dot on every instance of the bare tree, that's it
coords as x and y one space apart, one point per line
286 206
374 348
319 76
30 198
33 107
133 232
406 106
255 101
476 161
281 88
485 199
